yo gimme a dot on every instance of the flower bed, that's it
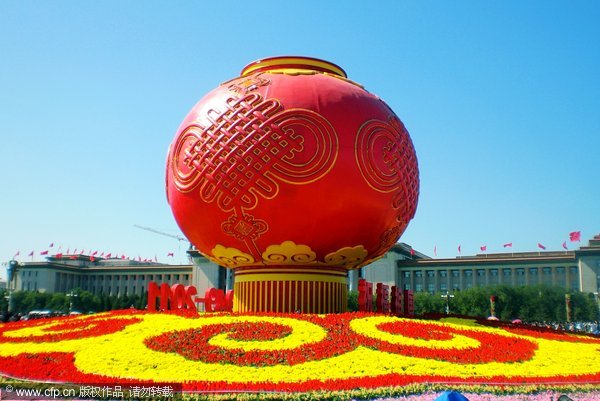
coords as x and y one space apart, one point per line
292 352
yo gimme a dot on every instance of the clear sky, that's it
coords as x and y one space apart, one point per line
501 98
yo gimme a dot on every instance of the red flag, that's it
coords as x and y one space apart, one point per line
68 250
51 245
17 254
541 246
459 249
171 254
92 258
73 257
483 248
575 236
102 254
59 255
155 259
565 246
75 251
108 255
94 253
123 256
44 253
508 245
30 253
435 251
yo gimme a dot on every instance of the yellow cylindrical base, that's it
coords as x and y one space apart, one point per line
290 289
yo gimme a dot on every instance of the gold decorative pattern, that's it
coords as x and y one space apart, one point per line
243 85
247 147
230 257
244 227
347 257
288 252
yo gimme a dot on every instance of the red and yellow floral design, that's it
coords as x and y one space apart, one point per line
290 352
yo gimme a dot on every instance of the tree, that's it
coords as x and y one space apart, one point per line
528 303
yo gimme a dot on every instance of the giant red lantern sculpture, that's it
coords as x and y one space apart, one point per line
291 175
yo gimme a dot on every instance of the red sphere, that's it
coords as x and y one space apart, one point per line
292 163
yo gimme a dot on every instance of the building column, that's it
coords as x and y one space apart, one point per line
513 277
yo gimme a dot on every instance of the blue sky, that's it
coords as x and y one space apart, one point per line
502 101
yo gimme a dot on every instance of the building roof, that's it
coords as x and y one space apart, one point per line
82 263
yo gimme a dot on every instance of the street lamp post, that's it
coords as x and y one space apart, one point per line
447 295
11 271
71 295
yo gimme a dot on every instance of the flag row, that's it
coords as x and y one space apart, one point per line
574 236
92 254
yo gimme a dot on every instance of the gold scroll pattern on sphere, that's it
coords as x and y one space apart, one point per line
248 147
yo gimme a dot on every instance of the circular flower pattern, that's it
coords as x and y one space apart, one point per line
436 340
289 352
64 328
258 343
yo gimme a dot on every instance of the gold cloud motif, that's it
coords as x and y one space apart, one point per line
348 257
288 252
230 257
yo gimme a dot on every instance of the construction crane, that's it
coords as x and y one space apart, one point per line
177 237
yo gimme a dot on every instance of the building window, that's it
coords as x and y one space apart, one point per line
533 271
430 273
455 273
406 274
187 277
520 272
431 287
494 272
468 273
418 273
506 272
560 270
480 272
167 277
150 277
443 273
443 287
547 271
418 287
407 287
